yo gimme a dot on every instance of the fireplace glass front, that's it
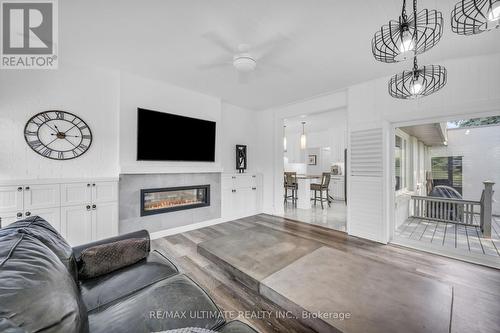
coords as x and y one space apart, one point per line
162 200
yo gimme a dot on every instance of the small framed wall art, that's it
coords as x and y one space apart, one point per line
241 158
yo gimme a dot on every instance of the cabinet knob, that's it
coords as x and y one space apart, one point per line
93 184
88 207
94 206
254 188
19 214
27 213
88 185
20 188
27 188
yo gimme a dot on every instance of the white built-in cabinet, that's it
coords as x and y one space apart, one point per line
241 195
82 211
337 188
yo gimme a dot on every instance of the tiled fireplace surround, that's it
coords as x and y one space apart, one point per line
130 201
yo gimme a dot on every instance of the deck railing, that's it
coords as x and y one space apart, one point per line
457 210
446 210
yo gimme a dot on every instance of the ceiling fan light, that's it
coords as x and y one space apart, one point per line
244 64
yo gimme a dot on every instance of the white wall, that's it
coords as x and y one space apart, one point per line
472 88
480 149
141 92
238 126
90 93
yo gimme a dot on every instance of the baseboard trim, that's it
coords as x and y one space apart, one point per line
194 226
185 228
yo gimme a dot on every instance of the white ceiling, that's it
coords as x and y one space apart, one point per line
325 44
316 122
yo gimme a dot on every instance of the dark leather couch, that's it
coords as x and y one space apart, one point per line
40 290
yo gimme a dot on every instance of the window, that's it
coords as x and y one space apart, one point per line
400 156
447 171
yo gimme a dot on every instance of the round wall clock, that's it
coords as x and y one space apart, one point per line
58 135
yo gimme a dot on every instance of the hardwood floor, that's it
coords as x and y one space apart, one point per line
231 296
471 284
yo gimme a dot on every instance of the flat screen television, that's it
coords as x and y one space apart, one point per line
169 137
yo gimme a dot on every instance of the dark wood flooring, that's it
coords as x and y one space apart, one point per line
477 288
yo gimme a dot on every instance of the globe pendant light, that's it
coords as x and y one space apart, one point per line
303 139
417 82
400 40
472 17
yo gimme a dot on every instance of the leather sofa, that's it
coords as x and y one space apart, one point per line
40 290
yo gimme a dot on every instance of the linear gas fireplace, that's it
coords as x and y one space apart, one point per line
163 200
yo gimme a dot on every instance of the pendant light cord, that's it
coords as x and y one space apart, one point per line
415 65
403 12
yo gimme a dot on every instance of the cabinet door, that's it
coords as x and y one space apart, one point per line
341 190
41 196
228 202
73 194
245 181
104 220
11 198
104 192
7 218
51 215
239 202
253 201
246 204
228 182
76 224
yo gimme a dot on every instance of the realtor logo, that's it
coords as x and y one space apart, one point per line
29 33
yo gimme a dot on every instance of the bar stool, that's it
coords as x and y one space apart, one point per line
290 183
321 187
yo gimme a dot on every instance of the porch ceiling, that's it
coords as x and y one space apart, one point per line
429 134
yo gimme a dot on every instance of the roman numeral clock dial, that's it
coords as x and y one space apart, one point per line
58 135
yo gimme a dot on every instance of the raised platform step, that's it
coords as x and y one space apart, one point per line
330 289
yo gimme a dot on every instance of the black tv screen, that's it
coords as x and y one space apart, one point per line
169 137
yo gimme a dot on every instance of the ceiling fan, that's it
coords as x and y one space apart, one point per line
246 60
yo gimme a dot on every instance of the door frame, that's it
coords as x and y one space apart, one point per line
334 104
392 172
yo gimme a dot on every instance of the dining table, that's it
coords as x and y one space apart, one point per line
304 190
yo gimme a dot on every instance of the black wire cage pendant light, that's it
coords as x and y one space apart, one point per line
400 40
417 82
472 17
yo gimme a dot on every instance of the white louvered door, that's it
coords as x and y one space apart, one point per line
366 170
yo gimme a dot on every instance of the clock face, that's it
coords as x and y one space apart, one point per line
58 135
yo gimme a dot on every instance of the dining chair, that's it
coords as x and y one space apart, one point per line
290 183
322 187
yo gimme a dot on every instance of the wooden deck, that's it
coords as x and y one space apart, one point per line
463 242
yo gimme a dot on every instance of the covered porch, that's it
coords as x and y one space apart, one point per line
443 202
